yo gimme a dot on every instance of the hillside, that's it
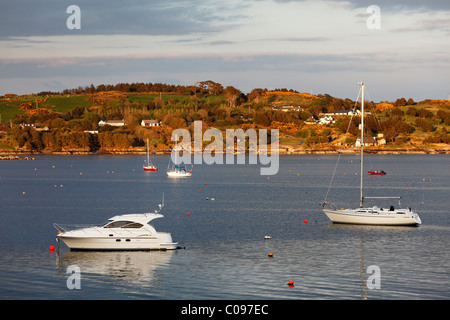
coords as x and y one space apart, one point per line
69 121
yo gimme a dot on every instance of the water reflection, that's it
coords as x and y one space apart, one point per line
137 268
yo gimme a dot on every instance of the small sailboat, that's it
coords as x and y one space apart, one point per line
371 215
376 172
176 170
148 166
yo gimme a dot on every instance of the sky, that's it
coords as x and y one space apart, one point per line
320 46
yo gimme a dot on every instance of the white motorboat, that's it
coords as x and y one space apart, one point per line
371 215
121 232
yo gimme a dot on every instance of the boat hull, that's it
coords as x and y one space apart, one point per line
162 242
178 174
375 173
367 218
150 169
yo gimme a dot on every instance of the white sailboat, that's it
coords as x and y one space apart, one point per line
149 165
371 215
176 170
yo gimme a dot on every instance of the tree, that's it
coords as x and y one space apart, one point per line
231 94
396 112
400 102
443 116
211 87
411 111
411 101
424 125
255 94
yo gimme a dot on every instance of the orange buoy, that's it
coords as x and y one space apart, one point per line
290 283
51 248
271 255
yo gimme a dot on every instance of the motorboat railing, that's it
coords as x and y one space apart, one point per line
84 227
72 227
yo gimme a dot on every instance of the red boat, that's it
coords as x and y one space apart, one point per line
380 173
150 168
149 165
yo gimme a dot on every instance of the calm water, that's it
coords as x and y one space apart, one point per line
225 255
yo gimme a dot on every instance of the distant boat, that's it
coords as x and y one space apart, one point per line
149 165
380 173
176 170
371 215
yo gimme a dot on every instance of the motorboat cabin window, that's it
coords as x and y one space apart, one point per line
123 224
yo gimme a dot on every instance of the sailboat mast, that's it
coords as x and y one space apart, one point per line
362 148
148 156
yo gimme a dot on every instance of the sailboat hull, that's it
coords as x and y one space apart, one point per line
151 168
178 174
369 216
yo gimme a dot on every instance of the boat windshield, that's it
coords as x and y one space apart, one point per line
123 224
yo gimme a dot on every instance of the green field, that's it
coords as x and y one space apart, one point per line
57 103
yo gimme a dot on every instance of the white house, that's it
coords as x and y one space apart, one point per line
326 120
368 141
342 113
287 108
150 123
114 123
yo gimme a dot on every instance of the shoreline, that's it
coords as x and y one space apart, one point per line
24 155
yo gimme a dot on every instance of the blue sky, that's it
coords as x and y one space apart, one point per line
310 46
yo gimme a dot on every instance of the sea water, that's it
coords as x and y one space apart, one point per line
224 253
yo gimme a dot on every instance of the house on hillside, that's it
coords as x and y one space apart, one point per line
150 123
343 113
287 108
380 139
39 128
368 141
114 123
326 120
311 120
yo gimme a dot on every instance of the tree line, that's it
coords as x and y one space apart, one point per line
216 106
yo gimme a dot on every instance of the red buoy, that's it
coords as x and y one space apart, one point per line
51 248
305 221
290 283
187 213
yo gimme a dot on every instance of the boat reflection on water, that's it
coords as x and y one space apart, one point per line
133 267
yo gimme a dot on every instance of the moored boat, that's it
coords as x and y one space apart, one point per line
370 215
381 173
121 232
149 165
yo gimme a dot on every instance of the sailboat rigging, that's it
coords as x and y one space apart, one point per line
177 170
370 215
148 166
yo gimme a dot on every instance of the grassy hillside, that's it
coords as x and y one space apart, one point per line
63 120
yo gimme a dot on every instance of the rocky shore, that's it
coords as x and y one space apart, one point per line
283 150
15 157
